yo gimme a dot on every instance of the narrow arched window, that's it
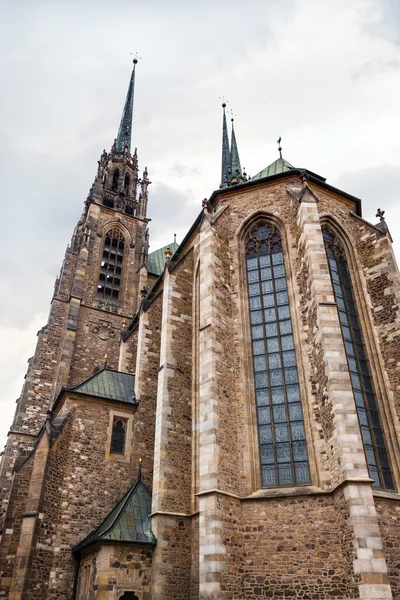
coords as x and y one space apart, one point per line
363 386
127 180
281 434
115 180
111 266
118 437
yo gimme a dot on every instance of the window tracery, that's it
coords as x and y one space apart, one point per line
361 379
281 433
111 266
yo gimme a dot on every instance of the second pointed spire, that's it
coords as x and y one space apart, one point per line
125 127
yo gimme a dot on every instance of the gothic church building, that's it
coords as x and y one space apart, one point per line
241 438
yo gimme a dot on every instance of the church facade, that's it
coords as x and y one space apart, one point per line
217 419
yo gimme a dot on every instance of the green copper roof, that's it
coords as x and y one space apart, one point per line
113 385
127 522
279 166
156 259
236 169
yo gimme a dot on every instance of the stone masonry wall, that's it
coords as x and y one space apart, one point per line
296 547
12 525
389 523
79 490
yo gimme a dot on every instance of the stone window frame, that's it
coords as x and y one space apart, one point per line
128 418
385 405
108 226
85 572
252 454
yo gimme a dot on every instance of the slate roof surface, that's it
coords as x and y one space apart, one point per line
127 522
110 384
156 259
279 166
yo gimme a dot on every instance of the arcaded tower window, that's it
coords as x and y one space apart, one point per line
111 266
115 180
118 437
363 386
281 434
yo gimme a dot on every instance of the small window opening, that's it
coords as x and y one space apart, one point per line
118 437
114 185
127 181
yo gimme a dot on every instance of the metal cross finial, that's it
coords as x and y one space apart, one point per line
380 214
224 102
278 141
136 58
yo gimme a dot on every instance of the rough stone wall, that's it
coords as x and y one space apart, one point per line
230 459
77 489
128 352
295 547
147 365
388 512
115 569
12 524
46 553
98 334
194 559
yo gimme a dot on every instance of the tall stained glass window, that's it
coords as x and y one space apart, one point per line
281 435
363 386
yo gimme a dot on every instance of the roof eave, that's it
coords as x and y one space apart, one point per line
298 173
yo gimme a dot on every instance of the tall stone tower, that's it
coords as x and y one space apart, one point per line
95 295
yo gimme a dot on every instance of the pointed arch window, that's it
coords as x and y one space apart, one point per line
111 266
281 433
362 383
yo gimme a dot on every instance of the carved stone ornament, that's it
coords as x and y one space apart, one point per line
104 329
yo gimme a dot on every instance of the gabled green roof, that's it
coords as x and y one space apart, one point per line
109 384
156 259
128 522
279 166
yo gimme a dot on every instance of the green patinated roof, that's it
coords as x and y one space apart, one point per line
156 259
279 166
127 522
113 385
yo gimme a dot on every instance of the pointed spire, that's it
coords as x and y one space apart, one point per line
125 127
236 169
225 175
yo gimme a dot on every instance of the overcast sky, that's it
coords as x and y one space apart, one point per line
323 75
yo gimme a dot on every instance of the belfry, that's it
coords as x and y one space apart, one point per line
241 438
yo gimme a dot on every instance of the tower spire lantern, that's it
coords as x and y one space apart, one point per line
125 127
225 175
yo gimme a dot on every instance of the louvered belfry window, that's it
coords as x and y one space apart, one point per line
111 266
363 386
281 434
118 437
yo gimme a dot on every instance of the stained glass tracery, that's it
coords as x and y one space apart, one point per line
281 434
362 382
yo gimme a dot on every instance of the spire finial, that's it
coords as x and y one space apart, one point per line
278 141
225 148
105 360
235 167
140 468
125 126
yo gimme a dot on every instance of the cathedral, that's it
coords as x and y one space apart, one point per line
217 419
